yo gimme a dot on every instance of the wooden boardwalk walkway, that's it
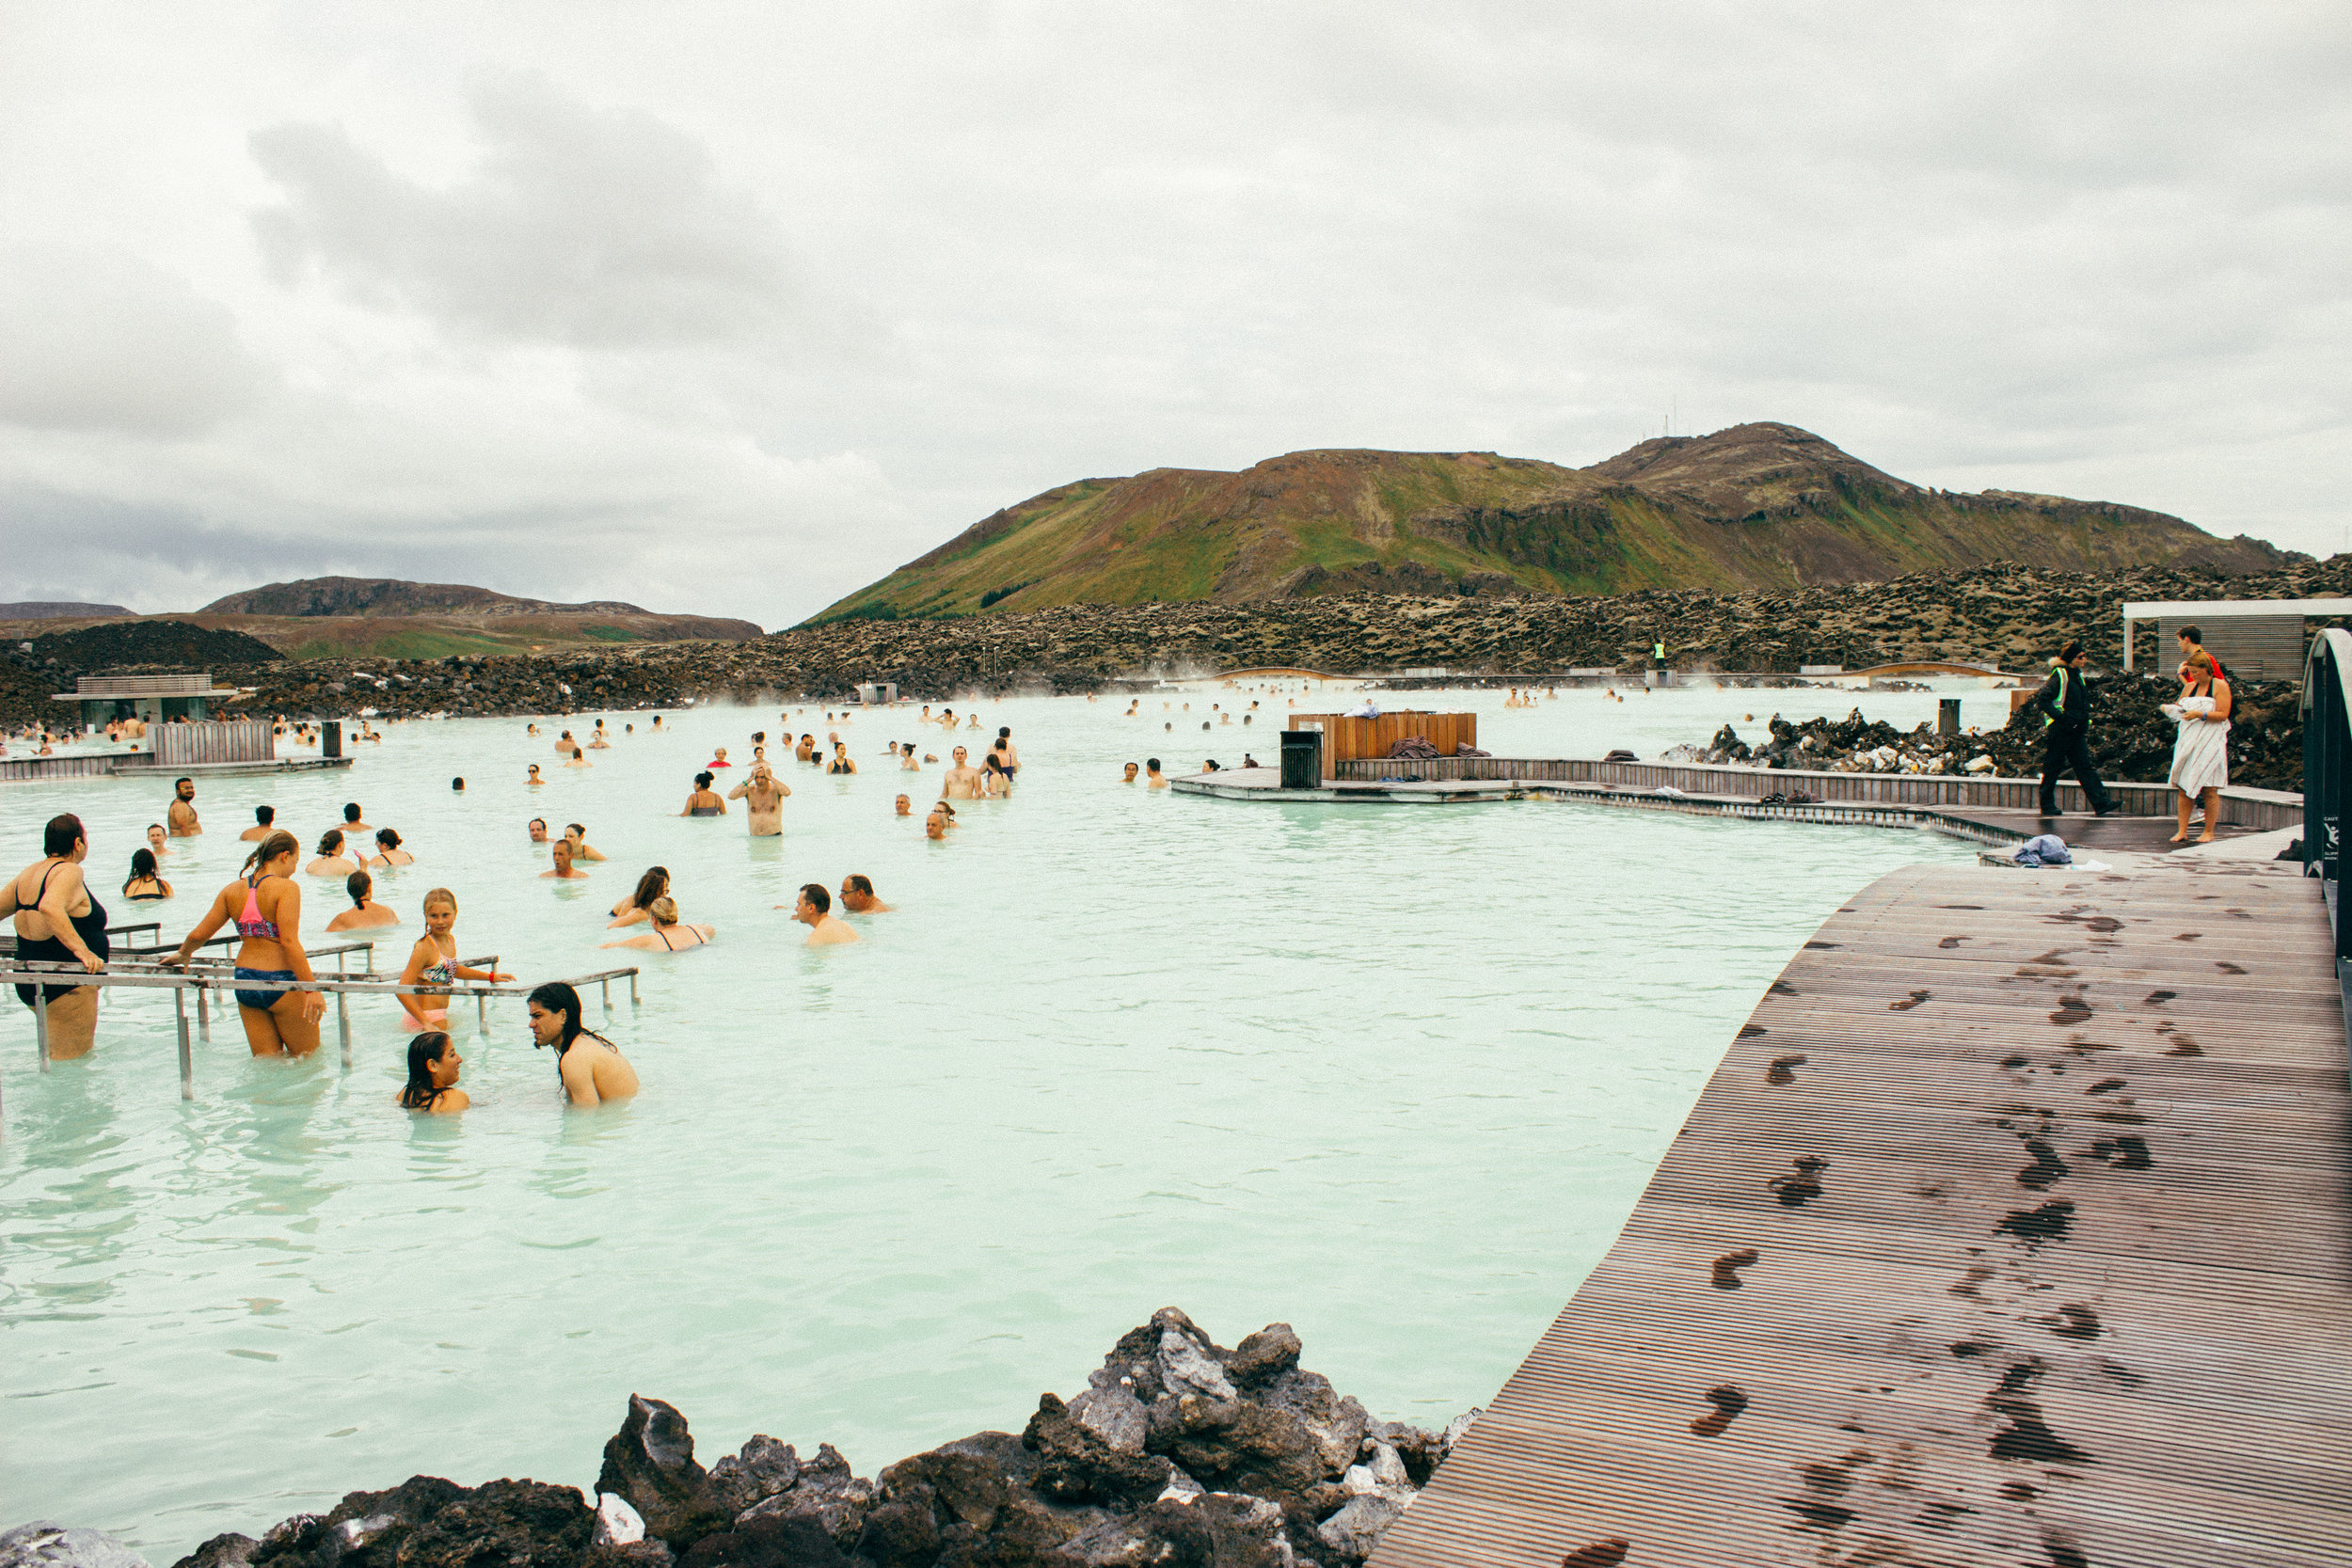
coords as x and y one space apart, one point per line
2015 1228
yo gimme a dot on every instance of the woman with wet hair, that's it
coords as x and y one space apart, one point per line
387 851
365 912
145 885
331 860
704 802
432 1068
590 1067
633 910
669 933
266 907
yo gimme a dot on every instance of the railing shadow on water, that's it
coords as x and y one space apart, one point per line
203 975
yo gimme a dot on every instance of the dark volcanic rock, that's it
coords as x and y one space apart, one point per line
1180 1454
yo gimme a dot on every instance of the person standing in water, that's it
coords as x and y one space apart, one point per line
857 896
332 862
145 885
669 933
560 851
763 794
60 921
365 912
590 1067
704 800
433 961
182 812
962 782
262 818
266 908
432 1086
388 851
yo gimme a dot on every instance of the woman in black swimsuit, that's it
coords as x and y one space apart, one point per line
144 884
668 934
433 1065
704 802
48 931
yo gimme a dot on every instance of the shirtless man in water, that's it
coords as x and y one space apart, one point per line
182 812
815 911
593 1071
962 782
562 850
763 794
857 896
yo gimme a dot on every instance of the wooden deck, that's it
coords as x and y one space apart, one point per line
2014 1228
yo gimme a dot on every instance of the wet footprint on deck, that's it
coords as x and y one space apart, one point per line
2070 1010
2126 1153
1600 1553
1779 1072
2184 1046
2157 997
1749 1031
1795 1190
1909 1002
2228 968
1729 1401
1727 1267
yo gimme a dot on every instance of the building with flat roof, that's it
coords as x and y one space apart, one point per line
2262 640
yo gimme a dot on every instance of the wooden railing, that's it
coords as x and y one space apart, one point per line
1346 739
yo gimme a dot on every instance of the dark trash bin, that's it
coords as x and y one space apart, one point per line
1302 759
1947 716
331 738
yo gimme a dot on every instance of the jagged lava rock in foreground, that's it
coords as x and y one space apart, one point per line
1178 1451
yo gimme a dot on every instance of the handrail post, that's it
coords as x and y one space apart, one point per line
342 1025
187 1056
41 1023
606 986
203 1012
632 987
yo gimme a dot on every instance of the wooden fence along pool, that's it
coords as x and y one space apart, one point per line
2015 1228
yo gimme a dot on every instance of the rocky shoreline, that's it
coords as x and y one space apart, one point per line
2008 615
2131 738
1177 1451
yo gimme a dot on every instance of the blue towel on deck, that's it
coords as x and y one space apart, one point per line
2043 850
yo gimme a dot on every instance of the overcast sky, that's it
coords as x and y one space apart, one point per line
733 309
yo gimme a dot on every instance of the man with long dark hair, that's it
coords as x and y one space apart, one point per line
591 1066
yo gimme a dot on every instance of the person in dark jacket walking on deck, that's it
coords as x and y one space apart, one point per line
2064 704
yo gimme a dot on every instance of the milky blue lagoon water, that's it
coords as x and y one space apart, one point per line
1394 1075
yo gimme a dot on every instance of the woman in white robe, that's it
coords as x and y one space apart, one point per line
2200 757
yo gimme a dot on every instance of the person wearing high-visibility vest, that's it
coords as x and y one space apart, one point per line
2064 704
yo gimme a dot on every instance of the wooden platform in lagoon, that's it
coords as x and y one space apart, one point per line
2014 1228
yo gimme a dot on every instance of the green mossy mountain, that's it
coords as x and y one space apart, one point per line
1753 508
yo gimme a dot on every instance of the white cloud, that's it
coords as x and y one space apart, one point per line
94 339
746 307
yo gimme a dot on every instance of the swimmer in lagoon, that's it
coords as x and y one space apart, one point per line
262 818
654 884
1133 770
353 829
562 852
806 749
433 961
815 911
145 885
581 848
266 908
432 1086
578 759
857 896
669 934
1151 766
332 862
531 729
842 762
762 795
365 912
157 844
563 744
182 812
995 783
963 781
387 851
1007 751
906 807
704 802
534 781
719 759
538 829
50 930
590 1067
907 762
936 825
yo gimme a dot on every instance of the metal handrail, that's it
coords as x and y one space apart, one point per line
180 981
2327 769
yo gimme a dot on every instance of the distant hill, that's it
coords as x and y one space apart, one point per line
151 642
57 609
386 618
1756 507
392 597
